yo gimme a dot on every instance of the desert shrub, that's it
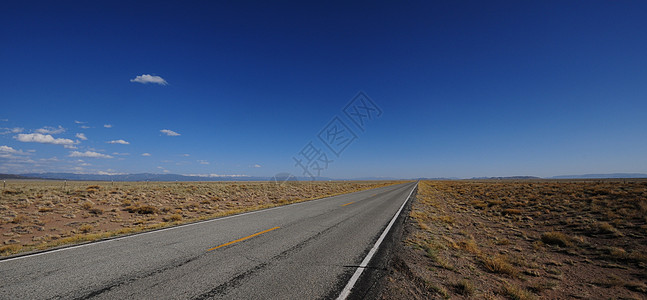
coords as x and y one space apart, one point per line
173 218
512 211
10 249
604 227
142 210
516 292
478 204
499 265
85 228
464 287
10 192
95 211
556 238
18 219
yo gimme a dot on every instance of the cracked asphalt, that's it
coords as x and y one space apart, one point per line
311 255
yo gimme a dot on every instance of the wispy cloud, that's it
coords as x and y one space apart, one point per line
169 132
11 130
217 175
79 122
110 172
107 125
203 162
9 152
91 154
118 142
146 154
256 166
43 139
186 155
51 130
84 127
117 153
146 78
81 136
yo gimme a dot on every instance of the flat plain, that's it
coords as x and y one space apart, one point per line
504 239
44 214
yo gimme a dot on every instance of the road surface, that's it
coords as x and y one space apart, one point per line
307 250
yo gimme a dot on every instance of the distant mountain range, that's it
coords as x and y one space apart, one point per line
177 177
151 177
509 177
13 176
601 176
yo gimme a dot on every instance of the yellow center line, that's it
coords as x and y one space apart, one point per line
242 239
347 203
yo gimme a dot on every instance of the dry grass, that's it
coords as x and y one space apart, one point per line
44 214
556 238
498 264
515 292
524 240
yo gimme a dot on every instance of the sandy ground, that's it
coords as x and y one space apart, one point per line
523 240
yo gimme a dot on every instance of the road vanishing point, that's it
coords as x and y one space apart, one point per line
309 250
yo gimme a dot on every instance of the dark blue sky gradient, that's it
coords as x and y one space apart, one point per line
468 88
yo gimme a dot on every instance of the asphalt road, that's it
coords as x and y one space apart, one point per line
308 250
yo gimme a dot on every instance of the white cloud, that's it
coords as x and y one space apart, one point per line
81 136
43 138
9 152
11 130
118 142
203 162
107 125
257 166
89 154
217 175
85 127
110 172
169 132
117 153
7 149
51 159
146 154
51 130
146 78
79 122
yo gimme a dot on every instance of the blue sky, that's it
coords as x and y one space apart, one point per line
466 88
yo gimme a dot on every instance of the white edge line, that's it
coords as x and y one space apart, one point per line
168 228
360 269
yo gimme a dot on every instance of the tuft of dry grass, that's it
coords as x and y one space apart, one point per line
516 292
464 287
556 238
604 227
85 228
498 264
173 218
511 211
10 249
